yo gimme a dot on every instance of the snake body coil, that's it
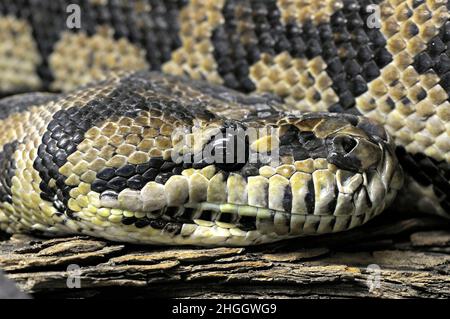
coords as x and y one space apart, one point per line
145 156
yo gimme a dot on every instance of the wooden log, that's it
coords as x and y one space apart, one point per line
391 257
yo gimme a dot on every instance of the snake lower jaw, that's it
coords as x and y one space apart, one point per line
322 201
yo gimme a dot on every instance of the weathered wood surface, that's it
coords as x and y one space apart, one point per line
409 258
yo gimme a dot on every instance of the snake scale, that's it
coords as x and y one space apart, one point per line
228 122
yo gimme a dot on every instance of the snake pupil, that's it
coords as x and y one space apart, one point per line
230 150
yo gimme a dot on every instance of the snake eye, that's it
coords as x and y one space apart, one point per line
228 150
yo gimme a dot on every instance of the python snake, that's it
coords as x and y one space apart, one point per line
142 156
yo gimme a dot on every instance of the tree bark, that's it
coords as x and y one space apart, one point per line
390 257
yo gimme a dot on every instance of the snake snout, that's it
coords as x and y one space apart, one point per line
353 153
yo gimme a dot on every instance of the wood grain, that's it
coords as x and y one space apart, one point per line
412 256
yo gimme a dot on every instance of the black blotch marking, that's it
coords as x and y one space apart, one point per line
71 124
172 228
332 204
413 29
226 217
162 178
106 174
167 166
157 223
287 199
251 169
421 95
45 31
7 170
406 101
150 174
302 145
117 184
155 162
23 102
290 136
142 222
155 30
206 215
355 53
133 176
171 211
129 220
417 3
310 198
136 182
332 223
436 57
427 171
126 170
368 201
98 186
236 49
351 118
390 102
247 223
186 216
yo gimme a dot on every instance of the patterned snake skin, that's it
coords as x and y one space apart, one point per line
137 158
94 161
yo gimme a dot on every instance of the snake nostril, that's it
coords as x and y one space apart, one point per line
348 143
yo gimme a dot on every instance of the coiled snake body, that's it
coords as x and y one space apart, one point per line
152 157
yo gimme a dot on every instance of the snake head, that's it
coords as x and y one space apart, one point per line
305 174
245 182
353 152
358 146
166 170
299 175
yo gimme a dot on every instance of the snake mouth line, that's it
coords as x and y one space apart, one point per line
180 220
325 199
